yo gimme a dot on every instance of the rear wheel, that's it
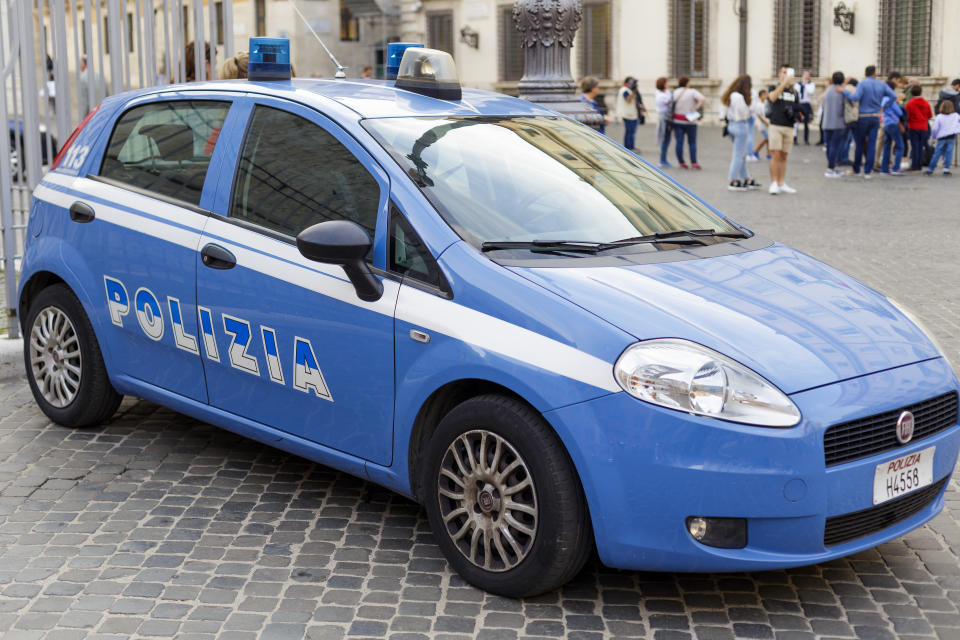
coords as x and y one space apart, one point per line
503 498
63 361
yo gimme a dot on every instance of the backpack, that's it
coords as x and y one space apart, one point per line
851 111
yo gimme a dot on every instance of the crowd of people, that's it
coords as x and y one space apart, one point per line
855 119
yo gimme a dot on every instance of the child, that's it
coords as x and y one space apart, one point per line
764 125
944 131
918 117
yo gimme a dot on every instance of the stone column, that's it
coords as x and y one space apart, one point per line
548 28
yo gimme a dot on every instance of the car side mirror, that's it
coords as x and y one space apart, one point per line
345 243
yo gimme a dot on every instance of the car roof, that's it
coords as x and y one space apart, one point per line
370 98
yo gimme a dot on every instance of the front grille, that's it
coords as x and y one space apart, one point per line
878 433
855 525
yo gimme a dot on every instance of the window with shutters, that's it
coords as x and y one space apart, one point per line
688 38
511 55
349 24
905 37
797 35
593 40
260 17
440 30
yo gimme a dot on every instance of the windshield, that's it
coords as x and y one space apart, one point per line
497 179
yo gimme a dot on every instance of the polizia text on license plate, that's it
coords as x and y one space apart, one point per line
903 475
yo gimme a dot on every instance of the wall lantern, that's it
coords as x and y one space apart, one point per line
470 37
843 17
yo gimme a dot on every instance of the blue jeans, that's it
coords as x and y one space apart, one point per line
751 123
663 136
630 133
738 161
891 137
945 149
865 136
807 114
834 139
843 157
918 140
681 129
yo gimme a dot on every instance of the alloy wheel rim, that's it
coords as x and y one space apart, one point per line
55 359
488 501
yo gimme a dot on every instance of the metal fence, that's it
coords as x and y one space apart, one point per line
60 58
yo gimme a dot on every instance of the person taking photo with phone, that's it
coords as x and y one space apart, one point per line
784 112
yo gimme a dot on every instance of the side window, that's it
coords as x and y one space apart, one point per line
165 147
408 256
294 174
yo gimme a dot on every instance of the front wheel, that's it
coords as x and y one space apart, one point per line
503 498
64 366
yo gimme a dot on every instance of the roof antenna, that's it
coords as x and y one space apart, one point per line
340 68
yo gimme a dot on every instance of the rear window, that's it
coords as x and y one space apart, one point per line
165 147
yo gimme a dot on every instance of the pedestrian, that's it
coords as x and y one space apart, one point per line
784 112
850 117
736 101
663 100
686 104
367 72
944 131
91 89
918 125
756 108
235 67
590 89
627 111
834 128
190 61
806 89
951 93
868 96
892 134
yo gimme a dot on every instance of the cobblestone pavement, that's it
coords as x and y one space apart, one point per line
158 525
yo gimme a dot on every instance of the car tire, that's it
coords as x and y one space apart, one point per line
63 361
510 516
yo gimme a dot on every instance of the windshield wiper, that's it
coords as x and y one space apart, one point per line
577 246
679 236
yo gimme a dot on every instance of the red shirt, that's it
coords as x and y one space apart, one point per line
918 113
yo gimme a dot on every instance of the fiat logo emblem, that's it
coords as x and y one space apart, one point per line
905 427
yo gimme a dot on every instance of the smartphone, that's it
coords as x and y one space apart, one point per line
791 72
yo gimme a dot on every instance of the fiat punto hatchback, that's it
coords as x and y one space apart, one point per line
489 308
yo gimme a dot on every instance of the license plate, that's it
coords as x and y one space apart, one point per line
901 476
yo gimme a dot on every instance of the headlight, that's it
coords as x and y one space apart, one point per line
685 376
913 318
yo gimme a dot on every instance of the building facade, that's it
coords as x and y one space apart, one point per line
701 39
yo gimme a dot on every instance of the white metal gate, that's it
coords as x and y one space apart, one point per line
59 58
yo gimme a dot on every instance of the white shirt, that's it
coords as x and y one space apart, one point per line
664 102
809 89
626 110
738 109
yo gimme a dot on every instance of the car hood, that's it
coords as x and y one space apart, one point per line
794 320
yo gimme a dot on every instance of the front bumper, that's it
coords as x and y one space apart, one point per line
645 469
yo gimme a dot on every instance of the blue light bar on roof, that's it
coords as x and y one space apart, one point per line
395 55
269 59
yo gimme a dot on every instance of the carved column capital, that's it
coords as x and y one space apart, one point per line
547 22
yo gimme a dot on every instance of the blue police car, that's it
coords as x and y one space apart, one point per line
490 308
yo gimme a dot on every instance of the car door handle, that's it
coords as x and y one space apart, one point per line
216 257
81 212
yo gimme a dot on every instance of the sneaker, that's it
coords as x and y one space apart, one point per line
897 173
752 184
785 188
832 173
867 176
694 165
751 157
666 165
851 172
927 172
774 189
946 172
736 185
683 165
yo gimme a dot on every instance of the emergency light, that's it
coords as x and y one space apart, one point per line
395 51
269 59
429 72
